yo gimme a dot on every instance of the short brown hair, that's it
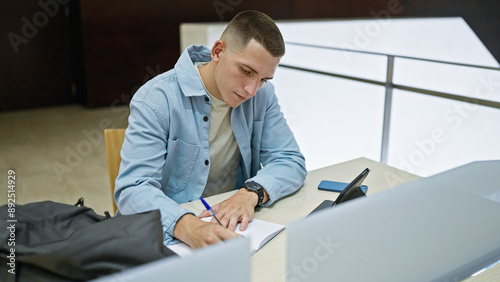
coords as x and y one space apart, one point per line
256 25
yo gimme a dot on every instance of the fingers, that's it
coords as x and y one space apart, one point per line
215 208
211 233
233 221
198 233
230 218
216 233
238 208
244 222
204 213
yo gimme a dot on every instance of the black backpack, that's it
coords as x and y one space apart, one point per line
49 241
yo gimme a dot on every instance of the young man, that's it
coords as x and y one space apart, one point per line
210 125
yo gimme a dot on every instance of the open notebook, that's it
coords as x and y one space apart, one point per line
259 231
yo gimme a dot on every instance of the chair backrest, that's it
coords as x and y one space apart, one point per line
113 140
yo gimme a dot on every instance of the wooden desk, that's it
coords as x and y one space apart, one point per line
490 275
269 263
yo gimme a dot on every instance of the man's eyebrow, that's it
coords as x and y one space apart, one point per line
256 72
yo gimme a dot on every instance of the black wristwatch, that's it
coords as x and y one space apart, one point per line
257 188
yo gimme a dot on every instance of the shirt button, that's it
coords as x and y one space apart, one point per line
205 118
206 162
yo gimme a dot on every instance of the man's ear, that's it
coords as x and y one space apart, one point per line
217 50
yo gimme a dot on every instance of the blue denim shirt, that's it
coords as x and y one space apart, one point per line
165 156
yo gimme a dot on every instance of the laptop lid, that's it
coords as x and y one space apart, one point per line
227 261
435 229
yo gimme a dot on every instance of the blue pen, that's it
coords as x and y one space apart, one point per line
207 206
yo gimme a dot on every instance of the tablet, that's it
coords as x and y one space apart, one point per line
351 191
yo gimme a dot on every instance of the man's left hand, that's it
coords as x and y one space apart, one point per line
238 208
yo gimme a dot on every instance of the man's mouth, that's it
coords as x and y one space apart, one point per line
241 97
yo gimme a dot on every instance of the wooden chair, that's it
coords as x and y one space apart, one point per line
113 140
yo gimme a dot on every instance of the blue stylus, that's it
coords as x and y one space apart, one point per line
207 206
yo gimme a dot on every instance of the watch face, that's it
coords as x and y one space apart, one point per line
253 186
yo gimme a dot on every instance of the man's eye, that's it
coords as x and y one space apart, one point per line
246 71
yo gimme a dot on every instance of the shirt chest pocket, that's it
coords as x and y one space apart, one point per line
179 164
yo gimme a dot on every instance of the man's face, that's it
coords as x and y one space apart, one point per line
239 74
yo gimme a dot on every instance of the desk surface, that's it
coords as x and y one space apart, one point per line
269 263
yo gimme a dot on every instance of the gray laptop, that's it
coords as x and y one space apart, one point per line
443 228
227 261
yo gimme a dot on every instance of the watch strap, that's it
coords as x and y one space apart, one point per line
257 188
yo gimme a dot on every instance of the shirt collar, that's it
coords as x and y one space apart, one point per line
189 79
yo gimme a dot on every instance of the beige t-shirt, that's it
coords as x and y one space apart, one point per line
224 152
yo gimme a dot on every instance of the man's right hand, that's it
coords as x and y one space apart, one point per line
198 233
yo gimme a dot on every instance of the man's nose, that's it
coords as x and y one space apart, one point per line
252 87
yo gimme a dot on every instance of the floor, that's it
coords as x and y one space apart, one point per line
58 154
